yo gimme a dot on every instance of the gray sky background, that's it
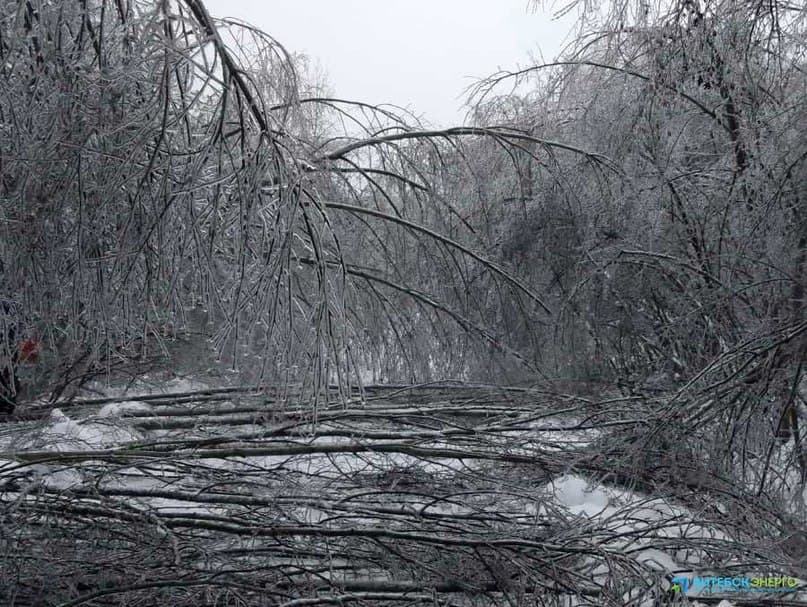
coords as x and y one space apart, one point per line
419 54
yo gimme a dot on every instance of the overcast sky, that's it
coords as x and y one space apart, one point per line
419 54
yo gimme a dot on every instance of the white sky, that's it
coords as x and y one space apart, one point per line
418 54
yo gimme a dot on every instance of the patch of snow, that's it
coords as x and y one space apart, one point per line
60 479
309 515
57 415
183 384
166 505
152 476
574 493
121 408
64 434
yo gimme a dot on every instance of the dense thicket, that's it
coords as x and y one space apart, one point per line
148 169
631 214
680 266
627 221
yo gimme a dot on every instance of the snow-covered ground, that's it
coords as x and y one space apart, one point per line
357 464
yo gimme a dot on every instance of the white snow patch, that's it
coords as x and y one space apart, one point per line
633 524
153 476
175 506
64 434
121 408
57 415
61 478
182 384
574 493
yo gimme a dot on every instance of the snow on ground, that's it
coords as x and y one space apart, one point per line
556 433
635 525
103 429
65 434
618 519
122 408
